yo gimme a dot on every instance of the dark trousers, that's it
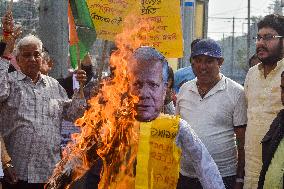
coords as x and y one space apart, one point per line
93 176
187 182
23 185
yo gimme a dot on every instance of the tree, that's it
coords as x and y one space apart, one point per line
25 13
241 59
277 9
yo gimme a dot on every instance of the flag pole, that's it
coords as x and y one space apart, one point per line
101 66
10 6
81 91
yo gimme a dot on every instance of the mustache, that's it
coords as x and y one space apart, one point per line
261 48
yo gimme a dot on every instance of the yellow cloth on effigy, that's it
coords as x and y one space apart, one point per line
158 156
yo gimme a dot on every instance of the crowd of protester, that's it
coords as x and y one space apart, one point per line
231 136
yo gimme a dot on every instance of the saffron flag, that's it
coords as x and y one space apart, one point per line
82 32
73 37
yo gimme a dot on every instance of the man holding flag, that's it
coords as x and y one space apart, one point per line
32 108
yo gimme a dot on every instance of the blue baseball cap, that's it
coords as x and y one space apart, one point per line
207 47
182 75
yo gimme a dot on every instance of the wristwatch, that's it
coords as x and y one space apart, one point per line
7 165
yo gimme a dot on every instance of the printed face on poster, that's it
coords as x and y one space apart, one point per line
165 32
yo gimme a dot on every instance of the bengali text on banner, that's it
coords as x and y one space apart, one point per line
165 32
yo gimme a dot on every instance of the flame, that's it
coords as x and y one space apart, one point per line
108 127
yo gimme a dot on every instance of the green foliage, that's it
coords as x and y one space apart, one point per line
241 60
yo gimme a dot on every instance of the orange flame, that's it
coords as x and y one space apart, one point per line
108 127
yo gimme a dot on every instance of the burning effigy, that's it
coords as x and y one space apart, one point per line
139 147
108 127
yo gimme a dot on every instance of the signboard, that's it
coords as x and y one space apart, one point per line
165 32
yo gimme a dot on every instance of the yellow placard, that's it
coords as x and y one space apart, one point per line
108 16
165 33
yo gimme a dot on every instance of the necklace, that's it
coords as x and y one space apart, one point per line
203 92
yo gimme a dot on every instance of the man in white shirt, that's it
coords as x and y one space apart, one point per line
215 107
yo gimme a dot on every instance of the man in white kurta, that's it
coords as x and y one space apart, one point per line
263 92
264 103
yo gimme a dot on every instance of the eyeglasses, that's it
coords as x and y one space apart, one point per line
267 37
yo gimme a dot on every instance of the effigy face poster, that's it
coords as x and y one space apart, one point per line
165 32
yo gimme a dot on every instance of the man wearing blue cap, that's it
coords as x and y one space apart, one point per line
215 107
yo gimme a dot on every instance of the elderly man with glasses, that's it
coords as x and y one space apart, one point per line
262 92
